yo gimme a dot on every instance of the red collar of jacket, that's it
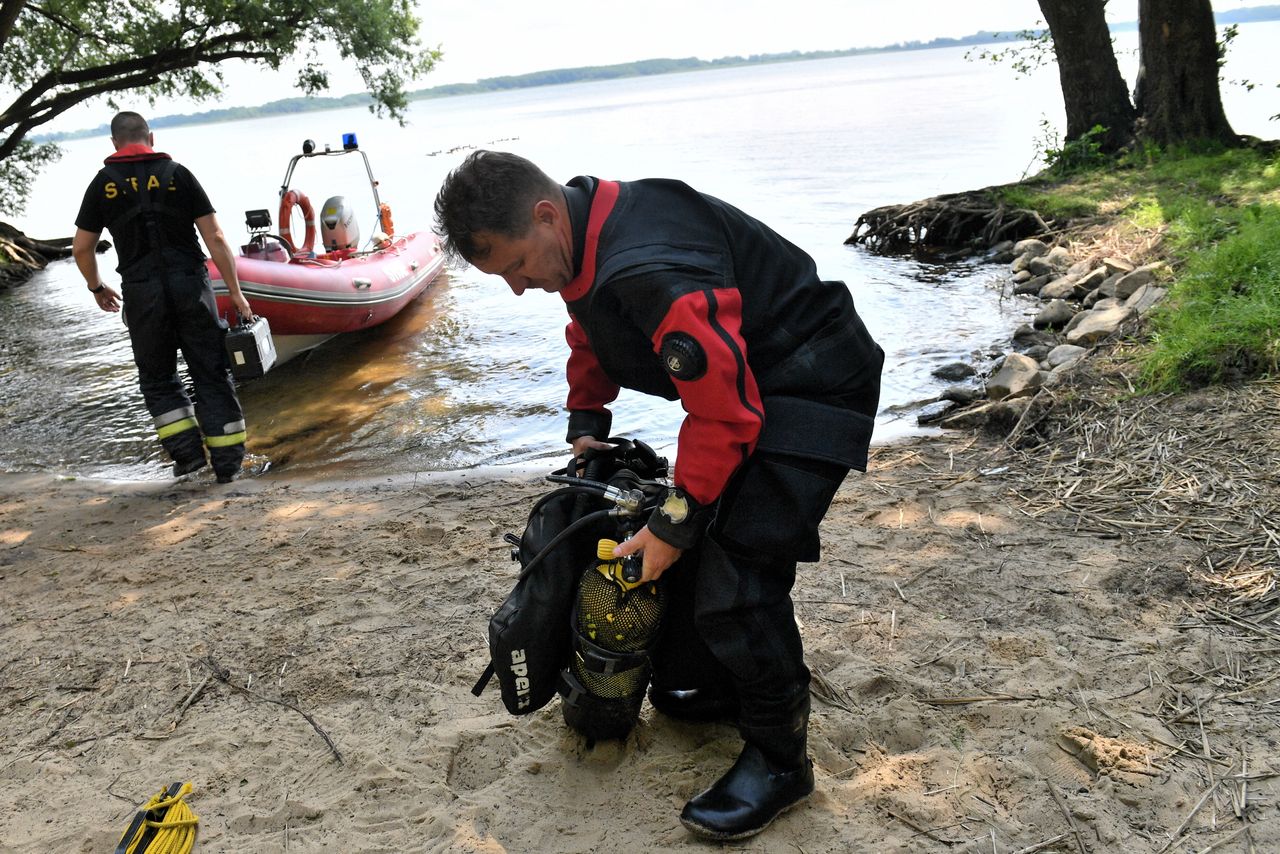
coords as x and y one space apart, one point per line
601 206
134 152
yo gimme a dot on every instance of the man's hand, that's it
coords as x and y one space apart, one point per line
108 298
242 308
582 443
658 554
225 260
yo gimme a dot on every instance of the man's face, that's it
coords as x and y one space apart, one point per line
540 259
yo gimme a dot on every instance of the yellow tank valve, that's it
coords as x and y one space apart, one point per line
623 571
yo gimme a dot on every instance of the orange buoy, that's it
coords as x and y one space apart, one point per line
287 203
384 213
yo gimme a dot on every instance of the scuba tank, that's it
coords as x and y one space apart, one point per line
615 621
578 623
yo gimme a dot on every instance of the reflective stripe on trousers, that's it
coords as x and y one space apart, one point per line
175 421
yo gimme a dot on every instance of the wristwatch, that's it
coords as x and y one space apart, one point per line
99 289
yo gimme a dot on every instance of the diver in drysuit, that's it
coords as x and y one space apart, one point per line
675 293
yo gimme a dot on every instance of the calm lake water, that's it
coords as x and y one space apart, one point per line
469 375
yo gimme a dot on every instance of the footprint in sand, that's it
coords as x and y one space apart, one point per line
1118 758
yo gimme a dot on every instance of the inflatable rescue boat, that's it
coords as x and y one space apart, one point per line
310 292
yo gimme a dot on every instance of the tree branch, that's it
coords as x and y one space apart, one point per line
9 11
42 112
156 63
183 56
62 54
61 21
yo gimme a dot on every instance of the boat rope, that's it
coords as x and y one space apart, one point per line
318 262
392 249
164 825
396 248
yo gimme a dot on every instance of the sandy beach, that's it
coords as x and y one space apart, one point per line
997 666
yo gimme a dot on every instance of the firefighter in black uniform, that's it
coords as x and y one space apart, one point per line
150 203
675 293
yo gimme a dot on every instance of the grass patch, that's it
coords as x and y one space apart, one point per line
1217 214
1222 321
1234 173
1149 180
1056 203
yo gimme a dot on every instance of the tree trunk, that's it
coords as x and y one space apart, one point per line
1093 90
1177 91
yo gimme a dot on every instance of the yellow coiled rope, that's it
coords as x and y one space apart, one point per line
164 825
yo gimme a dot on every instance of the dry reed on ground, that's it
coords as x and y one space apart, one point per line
1105 238
1203 469
1202 466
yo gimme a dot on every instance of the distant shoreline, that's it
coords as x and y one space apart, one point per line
584 74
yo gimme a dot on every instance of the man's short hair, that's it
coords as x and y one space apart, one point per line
129 127
492 191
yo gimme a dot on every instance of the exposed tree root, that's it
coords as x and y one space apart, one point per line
970 220
22 256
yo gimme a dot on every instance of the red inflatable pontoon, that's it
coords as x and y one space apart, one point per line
318 296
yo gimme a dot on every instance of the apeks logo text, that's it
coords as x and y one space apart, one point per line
520 669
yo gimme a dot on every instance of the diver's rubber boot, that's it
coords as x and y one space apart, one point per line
772 774
747 799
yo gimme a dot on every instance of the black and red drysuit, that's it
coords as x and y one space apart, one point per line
150 203
681 295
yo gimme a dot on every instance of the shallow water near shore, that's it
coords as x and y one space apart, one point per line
470 376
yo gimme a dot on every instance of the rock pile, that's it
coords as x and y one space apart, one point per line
1086 301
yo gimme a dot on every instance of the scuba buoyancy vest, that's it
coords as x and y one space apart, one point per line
545 636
